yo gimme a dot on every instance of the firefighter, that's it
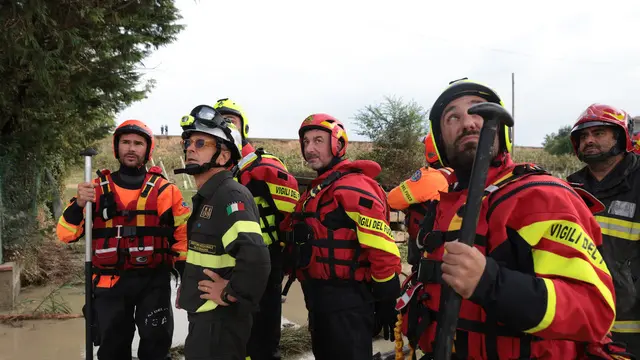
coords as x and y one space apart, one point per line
534 285
412 194
601 138
275 191
345 256
225 243
139 238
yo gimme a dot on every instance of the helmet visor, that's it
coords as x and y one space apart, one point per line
589 124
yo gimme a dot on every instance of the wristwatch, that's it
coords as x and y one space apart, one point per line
225 296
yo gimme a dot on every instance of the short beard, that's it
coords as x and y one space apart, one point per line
462 162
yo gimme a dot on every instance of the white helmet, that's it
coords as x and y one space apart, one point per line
205 119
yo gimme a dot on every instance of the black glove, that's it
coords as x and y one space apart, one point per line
385 295
386 317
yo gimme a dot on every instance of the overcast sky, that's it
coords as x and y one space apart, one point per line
283 60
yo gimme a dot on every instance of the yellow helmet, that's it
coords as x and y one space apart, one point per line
226 106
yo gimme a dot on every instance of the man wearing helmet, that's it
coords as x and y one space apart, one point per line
344 252
139 237
534 285
412 194
275 191
225 242
601 138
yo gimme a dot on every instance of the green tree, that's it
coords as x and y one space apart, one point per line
559 143
68 66
394 127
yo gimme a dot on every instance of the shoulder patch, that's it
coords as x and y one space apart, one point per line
206 212
364 202
416 175
234 206
185 204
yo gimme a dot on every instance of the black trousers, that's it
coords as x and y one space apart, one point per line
341 320
136 300
632 340
220 334
267 322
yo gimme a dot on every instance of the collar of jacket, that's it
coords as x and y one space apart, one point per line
615 182
210 187
247 149
366 167
497 167
129 178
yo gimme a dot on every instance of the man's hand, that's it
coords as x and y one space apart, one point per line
213 289
462 267
386 317
86 192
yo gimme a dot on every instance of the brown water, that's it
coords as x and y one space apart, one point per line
64 339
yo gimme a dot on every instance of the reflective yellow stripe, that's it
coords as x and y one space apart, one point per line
623 229
280 190
238 227
566 233
383 280
210 261
406 193
207 306
271 219
284 206
626 327
550 312
384 243
108 223
68 226
180 219
548 263
142 204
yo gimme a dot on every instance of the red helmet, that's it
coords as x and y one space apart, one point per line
327 123
430 153
603 115
134 127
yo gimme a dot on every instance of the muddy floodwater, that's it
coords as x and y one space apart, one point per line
64 339
61 339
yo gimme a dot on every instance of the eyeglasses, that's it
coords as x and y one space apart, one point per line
198 143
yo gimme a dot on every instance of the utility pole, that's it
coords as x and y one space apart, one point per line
513 112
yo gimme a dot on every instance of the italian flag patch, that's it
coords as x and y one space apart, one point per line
235 206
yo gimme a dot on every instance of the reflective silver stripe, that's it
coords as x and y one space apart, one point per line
146 248
150 183
104 183
103 251
626 326
247 159
491 188
622 228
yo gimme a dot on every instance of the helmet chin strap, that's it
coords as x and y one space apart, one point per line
195 169
594 159
616 149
